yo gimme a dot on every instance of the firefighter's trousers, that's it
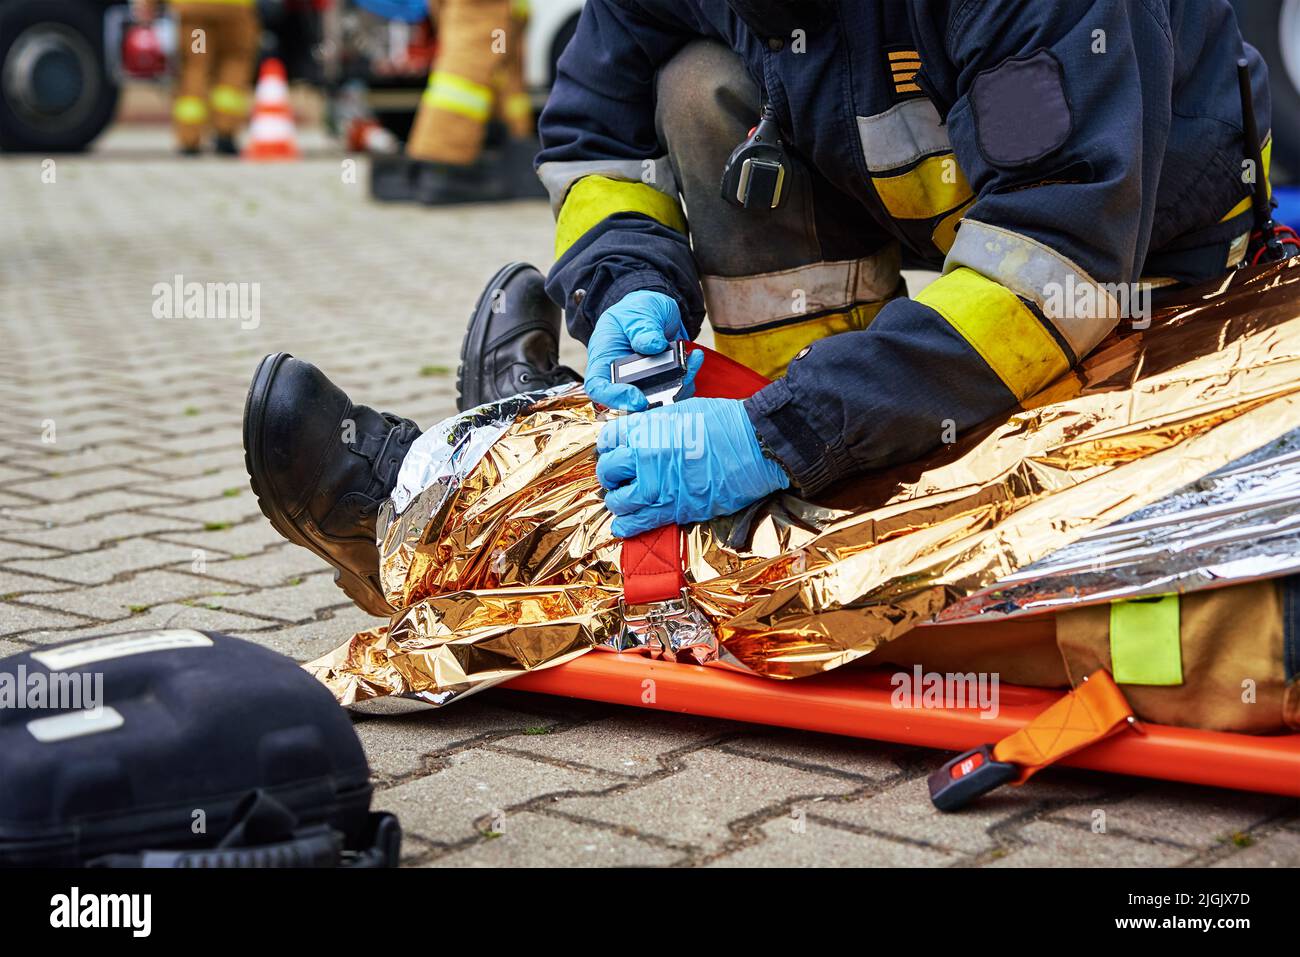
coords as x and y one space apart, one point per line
477 77
773 280
218 46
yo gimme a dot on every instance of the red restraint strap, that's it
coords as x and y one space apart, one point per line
653 562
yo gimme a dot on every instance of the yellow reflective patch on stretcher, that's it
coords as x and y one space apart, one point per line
1145 647
593 199
1001 328
932 187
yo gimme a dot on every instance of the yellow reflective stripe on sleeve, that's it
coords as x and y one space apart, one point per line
933 186
1001 328
1267 155
769 351
593 199
455 94
189 109
227 99
1145 647
520 8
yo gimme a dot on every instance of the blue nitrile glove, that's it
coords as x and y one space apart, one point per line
641 323
681 463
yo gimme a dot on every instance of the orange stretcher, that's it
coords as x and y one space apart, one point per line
857 701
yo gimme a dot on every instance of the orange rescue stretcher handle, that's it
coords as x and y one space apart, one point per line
857 702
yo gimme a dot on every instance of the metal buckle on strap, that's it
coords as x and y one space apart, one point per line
667 629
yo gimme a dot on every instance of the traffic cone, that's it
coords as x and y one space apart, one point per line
271 133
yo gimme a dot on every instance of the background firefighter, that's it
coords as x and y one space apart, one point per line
476 88
218 49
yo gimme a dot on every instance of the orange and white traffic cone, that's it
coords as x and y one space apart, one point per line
271 134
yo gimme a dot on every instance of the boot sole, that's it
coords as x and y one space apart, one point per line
359 589
471 347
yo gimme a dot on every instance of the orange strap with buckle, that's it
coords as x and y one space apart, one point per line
653 563
652 566
1094 710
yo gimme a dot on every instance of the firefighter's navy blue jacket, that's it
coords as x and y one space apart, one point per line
1095 143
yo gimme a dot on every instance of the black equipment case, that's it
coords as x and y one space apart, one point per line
180 748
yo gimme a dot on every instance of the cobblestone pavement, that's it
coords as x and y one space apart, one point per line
124 505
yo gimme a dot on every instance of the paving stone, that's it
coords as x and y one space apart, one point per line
267 569
905 810
448 805
628 743
792 841
14 585
156 618
12 551
217 510
297 601
18 619
1279 849
1061 845
227 483
8 648
246 538
97 532
697 804
397 746
538 840
312 639
859 758
90 506
125 598
192 465
64 487
105 564
1196 817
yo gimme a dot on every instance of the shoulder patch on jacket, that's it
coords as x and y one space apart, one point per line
1020 109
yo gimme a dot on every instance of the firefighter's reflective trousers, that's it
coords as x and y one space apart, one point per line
217 45
478 76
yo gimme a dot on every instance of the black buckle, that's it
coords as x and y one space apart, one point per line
968 776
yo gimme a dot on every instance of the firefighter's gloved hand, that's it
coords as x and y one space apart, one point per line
641 323
680 463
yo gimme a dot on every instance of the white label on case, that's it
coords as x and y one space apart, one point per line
75 724
119 646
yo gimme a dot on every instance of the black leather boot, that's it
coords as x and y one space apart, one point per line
320 467
512 344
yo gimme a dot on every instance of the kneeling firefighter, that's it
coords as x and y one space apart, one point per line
1043 156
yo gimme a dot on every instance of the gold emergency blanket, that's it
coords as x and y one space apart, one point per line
505 561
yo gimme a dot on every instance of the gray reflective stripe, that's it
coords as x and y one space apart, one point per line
558 177
1035 271
741 302
902 135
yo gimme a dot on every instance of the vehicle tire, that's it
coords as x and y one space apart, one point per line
55 91
1273 28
